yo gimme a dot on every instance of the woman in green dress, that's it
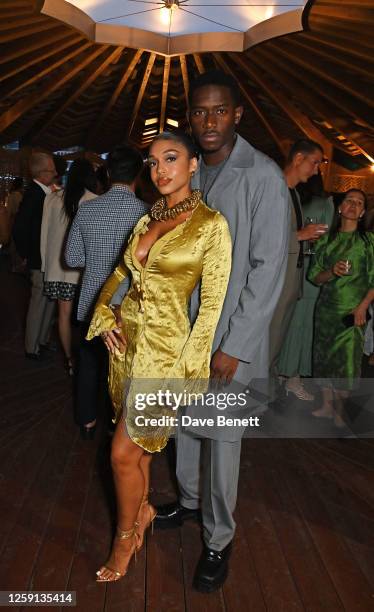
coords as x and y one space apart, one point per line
344 266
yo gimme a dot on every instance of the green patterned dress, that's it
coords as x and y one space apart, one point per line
338 350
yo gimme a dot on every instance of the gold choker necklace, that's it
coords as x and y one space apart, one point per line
161 212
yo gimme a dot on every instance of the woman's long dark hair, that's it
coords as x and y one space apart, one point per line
81 176
337 220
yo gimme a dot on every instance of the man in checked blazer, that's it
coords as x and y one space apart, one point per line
96 241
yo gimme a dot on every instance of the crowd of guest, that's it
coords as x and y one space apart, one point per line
296 304
42 226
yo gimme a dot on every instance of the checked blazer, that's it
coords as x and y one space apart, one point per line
97 239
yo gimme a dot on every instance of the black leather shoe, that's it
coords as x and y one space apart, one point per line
212 569
174 515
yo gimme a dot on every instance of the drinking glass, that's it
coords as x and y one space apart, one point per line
348 267
309 244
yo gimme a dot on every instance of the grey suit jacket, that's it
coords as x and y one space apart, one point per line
251 193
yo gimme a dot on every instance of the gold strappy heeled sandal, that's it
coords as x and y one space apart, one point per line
142 525
121 535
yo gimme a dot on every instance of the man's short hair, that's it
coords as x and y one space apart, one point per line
124 164
38 163
303 145
218 78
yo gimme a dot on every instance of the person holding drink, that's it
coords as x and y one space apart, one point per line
344 267
296 361
303 162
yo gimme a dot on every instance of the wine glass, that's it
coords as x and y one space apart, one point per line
309 244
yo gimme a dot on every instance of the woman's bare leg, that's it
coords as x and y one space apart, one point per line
147 512
65 308
129 485
340 397
327 409
145 466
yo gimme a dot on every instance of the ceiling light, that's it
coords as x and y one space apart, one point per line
166 11
151 121
172 122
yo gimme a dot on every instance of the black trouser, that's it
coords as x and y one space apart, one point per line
92 379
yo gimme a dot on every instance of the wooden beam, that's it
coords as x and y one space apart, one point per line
338 44
348 30
311 66
115 95
20 23
142 89
313 91
199 63
25 104
92 75
35 59
7 93
17 50
299 45
16 4
9 13
28 31
296 84
224 65
303 122
184 71
164 96
344 12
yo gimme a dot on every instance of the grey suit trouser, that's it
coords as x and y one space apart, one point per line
39 315
207 474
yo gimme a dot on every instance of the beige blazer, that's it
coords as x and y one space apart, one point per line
52 239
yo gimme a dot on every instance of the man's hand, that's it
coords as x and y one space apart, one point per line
115 338
313 231
223 367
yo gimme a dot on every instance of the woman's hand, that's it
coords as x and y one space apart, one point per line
360 314
115 339
339 268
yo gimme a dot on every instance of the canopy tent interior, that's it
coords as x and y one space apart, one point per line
66 84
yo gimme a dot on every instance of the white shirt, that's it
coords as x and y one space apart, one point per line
47 190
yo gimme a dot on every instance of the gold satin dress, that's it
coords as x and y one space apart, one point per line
163 352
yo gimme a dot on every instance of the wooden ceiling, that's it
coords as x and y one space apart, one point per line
59 89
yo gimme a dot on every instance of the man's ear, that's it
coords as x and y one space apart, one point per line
298 158
238 114
193 164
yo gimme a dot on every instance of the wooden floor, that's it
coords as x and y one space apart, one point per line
305 515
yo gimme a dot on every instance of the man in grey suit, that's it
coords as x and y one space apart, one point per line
303 161
249 189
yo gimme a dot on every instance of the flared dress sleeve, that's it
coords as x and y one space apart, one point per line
194 361
103 318
318 263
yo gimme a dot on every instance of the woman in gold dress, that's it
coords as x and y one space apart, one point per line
180 243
